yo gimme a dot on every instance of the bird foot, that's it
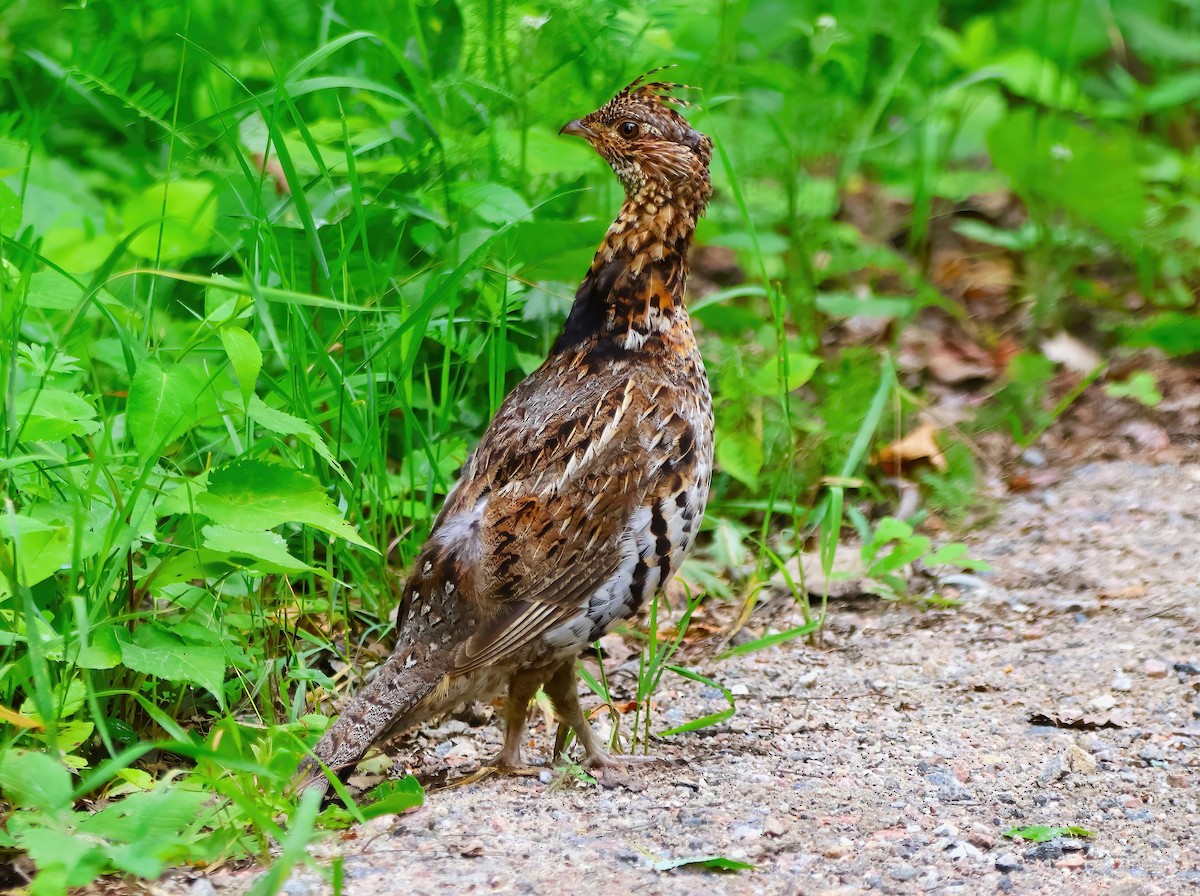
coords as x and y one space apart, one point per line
496 768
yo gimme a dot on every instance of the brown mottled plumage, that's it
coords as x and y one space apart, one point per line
586 490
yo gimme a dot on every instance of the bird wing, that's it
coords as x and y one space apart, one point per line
561 473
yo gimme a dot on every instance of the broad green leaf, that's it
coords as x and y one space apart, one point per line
800 369
493 203
184 211
35 781
1040 833
154 650
40 549
740 454
1174 332
244 356
1054 162
252 495
162 405
103 650
14 155
10 211
263 552
708 863
63 861
285 424
50 289
51 415
394 797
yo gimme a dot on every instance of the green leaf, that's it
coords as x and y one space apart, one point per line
35 781
772 639
708 863
1054 162
1174 332
52 290
1141 386
184 212
103 650
261 552
244 356
162 405
51 415
41 550
252 495
154 650
10 211
1040 833
394 797
284 424
493 203
715 718
800 368
740 454
62 861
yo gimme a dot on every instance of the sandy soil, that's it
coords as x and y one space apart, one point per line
889 759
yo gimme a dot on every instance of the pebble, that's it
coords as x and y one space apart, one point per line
1152 753
1154 668
904 872
739 690
1104 702
1122 683
807 679
1007 861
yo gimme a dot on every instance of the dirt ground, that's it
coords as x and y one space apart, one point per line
1065 690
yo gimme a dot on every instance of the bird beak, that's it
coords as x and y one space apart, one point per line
577 128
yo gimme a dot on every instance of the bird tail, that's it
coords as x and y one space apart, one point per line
391 701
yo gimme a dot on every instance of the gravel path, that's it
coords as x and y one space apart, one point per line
891 758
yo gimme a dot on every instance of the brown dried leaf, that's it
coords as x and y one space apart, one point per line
918 447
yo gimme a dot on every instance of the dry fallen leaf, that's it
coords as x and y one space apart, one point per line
1063 348
918 447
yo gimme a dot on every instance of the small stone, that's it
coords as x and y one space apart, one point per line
1080 760
545 776
472 850
1154 668
1007 861
739 690
1152 753
1050 851
1034 457
807 680
775 827
1054 769
945 829
1122 683
980 838
1104 702
1072 861
201 887
1179 780
837 850
904 872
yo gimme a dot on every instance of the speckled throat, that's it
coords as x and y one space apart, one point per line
635 286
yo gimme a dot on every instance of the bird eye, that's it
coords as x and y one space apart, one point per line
628 129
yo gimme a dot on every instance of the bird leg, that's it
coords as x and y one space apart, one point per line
521 688
563 692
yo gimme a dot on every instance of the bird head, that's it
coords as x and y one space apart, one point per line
646 142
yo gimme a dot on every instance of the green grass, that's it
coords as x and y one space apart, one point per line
266 272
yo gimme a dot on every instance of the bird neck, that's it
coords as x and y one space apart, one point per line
634 290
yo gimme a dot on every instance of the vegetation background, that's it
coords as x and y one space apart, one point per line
267 268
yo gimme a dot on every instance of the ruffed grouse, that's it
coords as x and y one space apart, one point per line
588 487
